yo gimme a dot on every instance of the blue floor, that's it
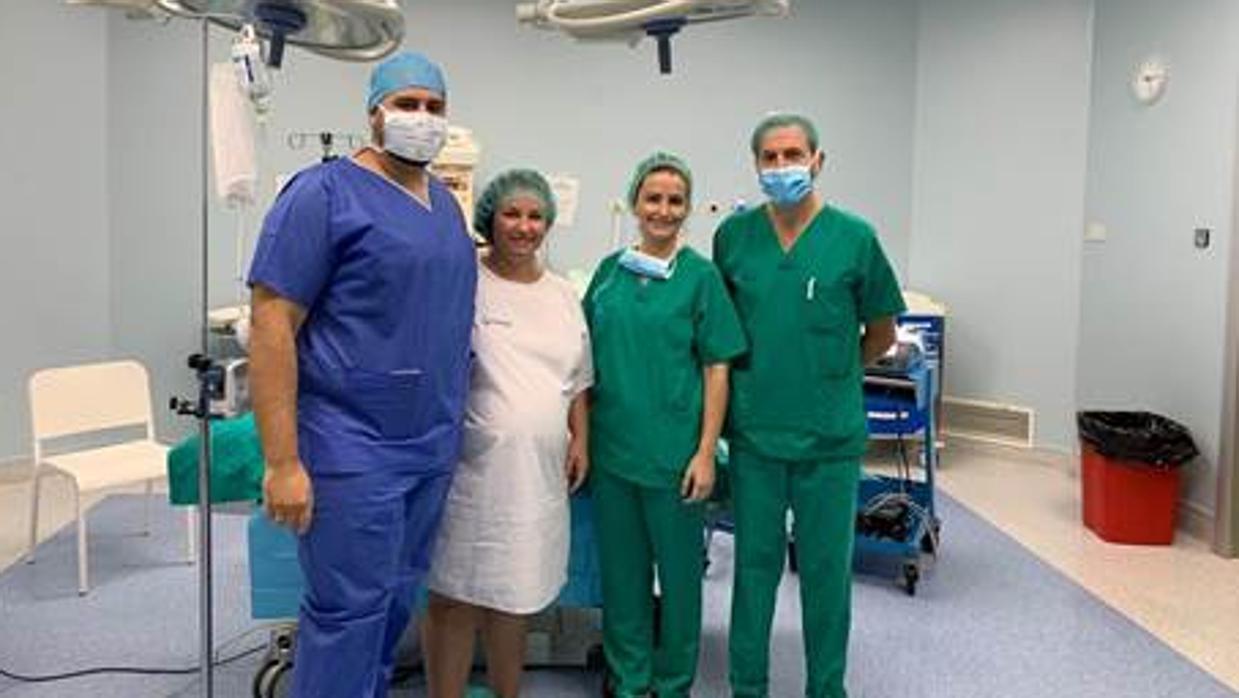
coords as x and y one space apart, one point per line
989 620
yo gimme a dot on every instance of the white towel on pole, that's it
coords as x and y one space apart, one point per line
232 139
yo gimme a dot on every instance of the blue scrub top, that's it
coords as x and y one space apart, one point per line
388 286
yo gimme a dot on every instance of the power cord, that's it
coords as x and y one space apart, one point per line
48 678
890 515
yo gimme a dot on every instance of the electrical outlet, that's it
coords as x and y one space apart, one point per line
1202 238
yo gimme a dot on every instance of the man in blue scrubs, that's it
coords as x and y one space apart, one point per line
363 286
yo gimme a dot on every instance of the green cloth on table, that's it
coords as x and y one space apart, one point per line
236 464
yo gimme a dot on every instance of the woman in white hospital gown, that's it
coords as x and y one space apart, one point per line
502 552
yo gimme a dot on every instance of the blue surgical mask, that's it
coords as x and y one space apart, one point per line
787 186
646 265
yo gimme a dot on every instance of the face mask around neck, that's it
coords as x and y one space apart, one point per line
647 265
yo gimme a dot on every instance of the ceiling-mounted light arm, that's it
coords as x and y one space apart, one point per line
662 30
280 21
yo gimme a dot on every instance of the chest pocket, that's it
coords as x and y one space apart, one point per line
829 320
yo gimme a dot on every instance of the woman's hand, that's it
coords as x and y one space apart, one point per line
698 480
576 466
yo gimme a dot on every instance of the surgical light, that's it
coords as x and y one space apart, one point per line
630 20
351 30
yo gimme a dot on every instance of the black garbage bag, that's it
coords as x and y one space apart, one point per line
1143 437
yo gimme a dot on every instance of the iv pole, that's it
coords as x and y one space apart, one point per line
205 606
210 383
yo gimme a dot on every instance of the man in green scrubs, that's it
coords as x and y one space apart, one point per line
663 330
805 277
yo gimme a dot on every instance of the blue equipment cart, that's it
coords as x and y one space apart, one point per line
896 517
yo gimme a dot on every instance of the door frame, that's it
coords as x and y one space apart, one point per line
1226 510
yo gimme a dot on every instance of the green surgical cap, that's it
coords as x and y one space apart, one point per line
503 187
781 120
660 160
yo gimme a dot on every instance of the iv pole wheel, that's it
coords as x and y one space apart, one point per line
273 680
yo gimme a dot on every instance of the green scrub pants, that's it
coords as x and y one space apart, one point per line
640 529
822 497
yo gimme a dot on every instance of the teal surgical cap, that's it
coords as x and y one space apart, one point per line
781 120
654 163
503 187
403 70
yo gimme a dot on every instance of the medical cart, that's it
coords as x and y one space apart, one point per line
896 517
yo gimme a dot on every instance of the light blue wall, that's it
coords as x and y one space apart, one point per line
153 185
531 98
1153 306
1002 101
53 204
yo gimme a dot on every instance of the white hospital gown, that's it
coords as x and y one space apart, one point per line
504 538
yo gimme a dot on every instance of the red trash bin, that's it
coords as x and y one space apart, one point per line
1128 501
1130 472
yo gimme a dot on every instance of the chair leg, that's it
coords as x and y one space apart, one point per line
82 586
146 509
34 513
191 528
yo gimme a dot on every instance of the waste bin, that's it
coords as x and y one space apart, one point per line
1130 472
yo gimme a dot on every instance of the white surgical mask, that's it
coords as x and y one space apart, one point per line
416 136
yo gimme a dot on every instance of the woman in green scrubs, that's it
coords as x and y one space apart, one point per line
663 330
805 277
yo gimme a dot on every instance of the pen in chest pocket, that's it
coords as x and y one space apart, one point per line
809 287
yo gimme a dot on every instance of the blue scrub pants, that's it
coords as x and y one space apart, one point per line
366 553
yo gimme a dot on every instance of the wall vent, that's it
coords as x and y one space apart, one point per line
988 422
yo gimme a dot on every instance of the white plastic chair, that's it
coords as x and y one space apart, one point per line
78 400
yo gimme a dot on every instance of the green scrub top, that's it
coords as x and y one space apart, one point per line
797 394
651 338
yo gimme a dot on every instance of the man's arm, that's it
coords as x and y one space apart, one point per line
879 336
275 322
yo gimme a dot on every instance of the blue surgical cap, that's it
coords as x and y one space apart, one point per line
403 70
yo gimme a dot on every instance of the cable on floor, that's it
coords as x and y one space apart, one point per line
146 671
